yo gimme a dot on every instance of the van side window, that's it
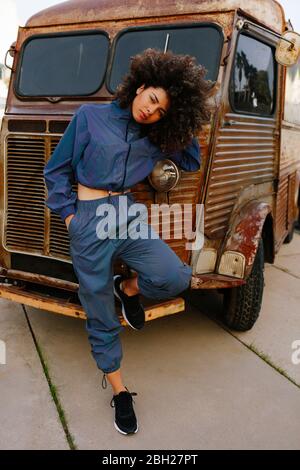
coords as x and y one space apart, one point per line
252 81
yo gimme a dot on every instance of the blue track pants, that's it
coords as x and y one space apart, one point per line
161 273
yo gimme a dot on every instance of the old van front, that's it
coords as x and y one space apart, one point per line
77 52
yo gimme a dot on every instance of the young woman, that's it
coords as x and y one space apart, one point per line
108 148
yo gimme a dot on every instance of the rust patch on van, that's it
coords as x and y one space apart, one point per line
246 231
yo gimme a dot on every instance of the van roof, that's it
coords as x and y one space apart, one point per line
268 12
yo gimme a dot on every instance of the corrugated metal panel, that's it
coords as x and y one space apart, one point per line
186 192
281 208
244 155
58 234
291 199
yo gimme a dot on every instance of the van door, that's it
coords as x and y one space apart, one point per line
247 142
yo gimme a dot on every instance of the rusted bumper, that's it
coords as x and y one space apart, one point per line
215 281
26 294
56 305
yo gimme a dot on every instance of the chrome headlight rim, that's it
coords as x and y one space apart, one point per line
165 161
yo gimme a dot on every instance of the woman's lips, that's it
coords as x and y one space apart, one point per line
142 115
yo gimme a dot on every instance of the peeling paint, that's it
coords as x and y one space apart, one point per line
268 12
246 231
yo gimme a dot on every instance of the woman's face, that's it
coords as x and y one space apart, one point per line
150 104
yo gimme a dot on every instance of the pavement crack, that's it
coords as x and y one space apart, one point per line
269 361
263 356
290 255
285 270
52 387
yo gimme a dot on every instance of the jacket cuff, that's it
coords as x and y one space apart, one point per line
67 211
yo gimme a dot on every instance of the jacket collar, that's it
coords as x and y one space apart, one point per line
124 114
121 113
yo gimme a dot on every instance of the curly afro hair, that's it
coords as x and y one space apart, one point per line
183 80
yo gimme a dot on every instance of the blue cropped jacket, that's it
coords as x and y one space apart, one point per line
102 148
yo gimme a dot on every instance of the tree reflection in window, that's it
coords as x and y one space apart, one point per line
252 86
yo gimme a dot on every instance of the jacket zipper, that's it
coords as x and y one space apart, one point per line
125 169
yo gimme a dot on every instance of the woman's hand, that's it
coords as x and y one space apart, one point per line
68 220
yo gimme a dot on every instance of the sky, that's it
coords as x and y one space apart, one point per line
17 12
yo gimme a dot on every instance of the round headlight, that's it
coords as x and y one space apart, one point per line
164 176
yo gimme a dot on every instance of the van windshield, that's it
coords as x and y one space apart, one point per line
201 41
63 65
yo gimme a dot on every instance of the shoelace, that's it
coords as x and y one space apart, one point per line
112 402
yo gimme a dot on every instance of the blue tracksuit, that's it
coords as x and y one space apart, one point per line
102 148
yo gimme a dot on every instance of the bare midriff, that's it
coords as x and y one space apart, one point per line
84 193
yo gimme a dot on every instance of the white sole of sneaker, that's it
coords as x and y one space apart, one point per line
123 310
126 433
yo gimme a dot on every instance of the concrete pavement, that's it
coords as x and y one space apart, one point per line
278 325
28 416
199 386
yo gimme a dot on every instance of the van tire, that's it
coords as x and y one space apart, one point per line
289 236
242 304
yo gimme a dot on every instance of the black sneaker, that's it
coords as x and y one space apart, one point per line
132 310
125 419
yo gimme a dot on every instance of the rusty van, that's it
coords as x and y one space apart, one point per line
76 52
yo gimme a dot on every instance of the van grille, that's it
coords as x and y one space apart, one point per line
58 234
25 194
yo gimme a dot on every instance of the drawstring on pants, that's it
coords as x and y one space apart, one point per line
104 381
